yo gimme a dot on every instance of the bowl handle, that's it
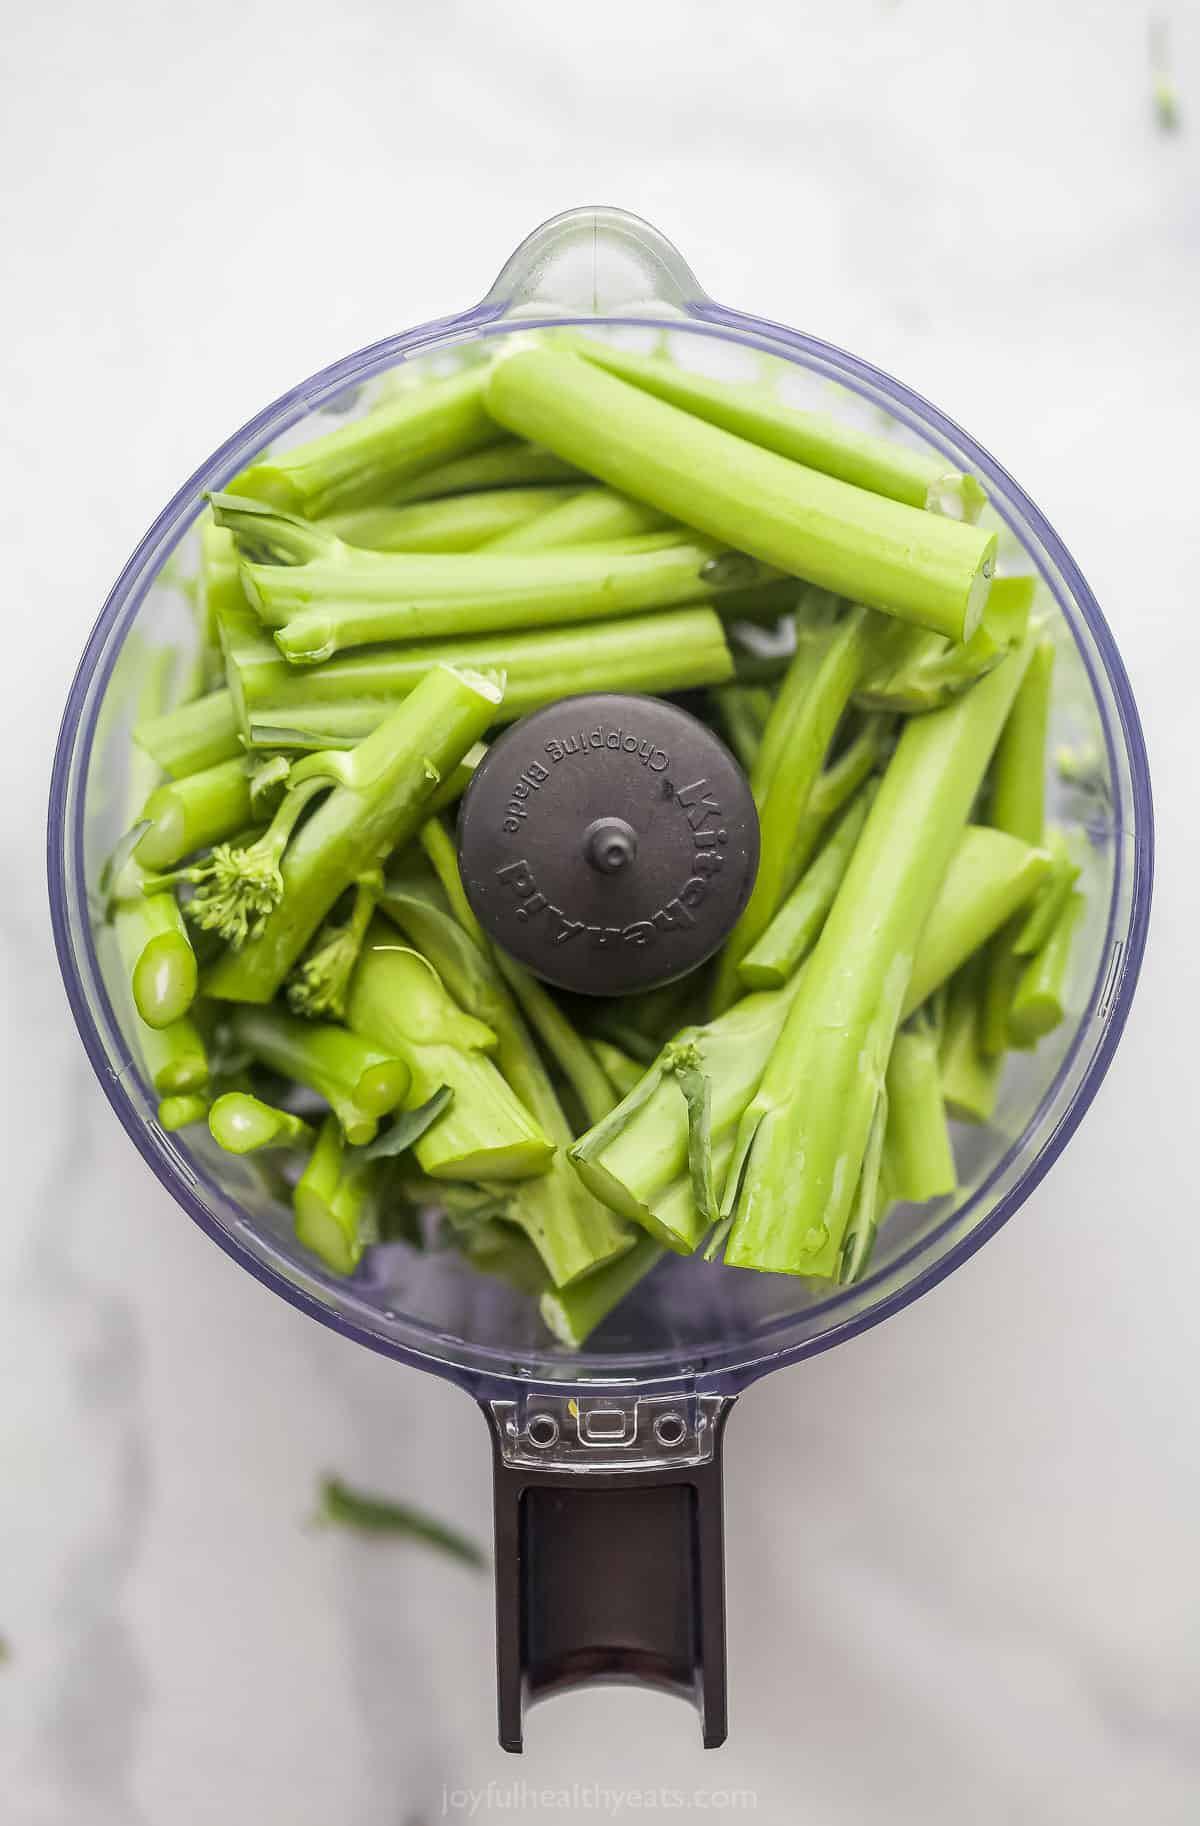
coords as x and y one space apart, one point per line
609 1548
595 262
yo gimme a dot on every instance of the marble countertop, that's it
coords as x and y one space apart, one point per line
962 1549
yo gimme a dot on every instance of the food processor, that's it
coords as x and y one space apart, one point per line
608 1526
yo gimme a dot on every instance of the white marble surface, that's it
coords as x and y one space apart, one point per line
962 1550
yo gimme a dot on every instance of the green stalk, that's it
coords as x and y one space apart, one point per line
461 523
622 1071
566 1047
321 979
511 463
920 567
1050 899
242 1124
802 1139
970 1077
669 651
573 1313
352 599
195 812
793 931
991 877
364 461
871 1196
1039 1004
914 670
795 743
359 1081
332 1201
571 1231
155 953
399 1001
1018 806
917 477
920 1156
737 708
174 1057
182 1112
385 786
835 787
595 516
374 1515
220 579
193 736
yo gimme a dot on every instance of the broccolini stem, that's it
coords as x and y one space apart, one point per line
595 516
322 978
195 812
181 1112
920 567
573 1313
508 464
970 1077
157 954
914 670
869 1200
360 598
395 772
484 1133
1050 899
332 1201
991 877
374 1515
461 523
920 1157
191 737
793 931
622 1071
359 1081
362 462
242 1124
1039 1003
803 1136
666 651
813 438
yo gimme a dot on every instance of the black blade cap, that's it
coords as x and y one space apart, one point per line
608 843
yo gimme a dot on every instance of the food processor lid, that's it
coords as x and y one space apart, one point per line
608 843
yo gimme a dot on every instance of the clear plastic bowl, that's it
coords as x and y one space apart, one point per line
706 1329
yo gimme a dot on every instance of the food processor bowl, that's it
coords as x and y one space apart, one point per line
608 1504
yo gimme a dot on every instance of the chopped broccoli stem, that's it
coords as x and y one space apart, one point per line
333 1201
914 670
990 878
1018 806
242 1124
193 813
322 977
571 1230
573 1313
362 462
156 953
793 931
180 1112
398 999
870 1197
920 567
1050 898
461 523
666 651
359 1080
174 1057
970 1077
355 598
594 516
1039 1002
821 1085
788 765
511 463
920 1156
192 736
737 708
386 784
814 438
622 1071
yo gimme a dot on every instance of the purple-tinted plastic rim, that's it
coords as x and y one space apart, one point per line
486 1370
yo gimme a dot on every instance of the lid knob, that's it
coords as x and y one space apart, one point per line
608 842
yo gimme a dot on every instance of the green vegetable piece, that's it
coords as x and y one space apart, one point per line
914 670
1039 1003
242 1124
322 978
383 791
192 736
359 1081
794 929
181 1112
573 1313
376 1515
918 477
333 1200
920 1155
819 1092
193 813
991 877
970 1077
622 1071
594 516
920 567
362 462
511 463
460 524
